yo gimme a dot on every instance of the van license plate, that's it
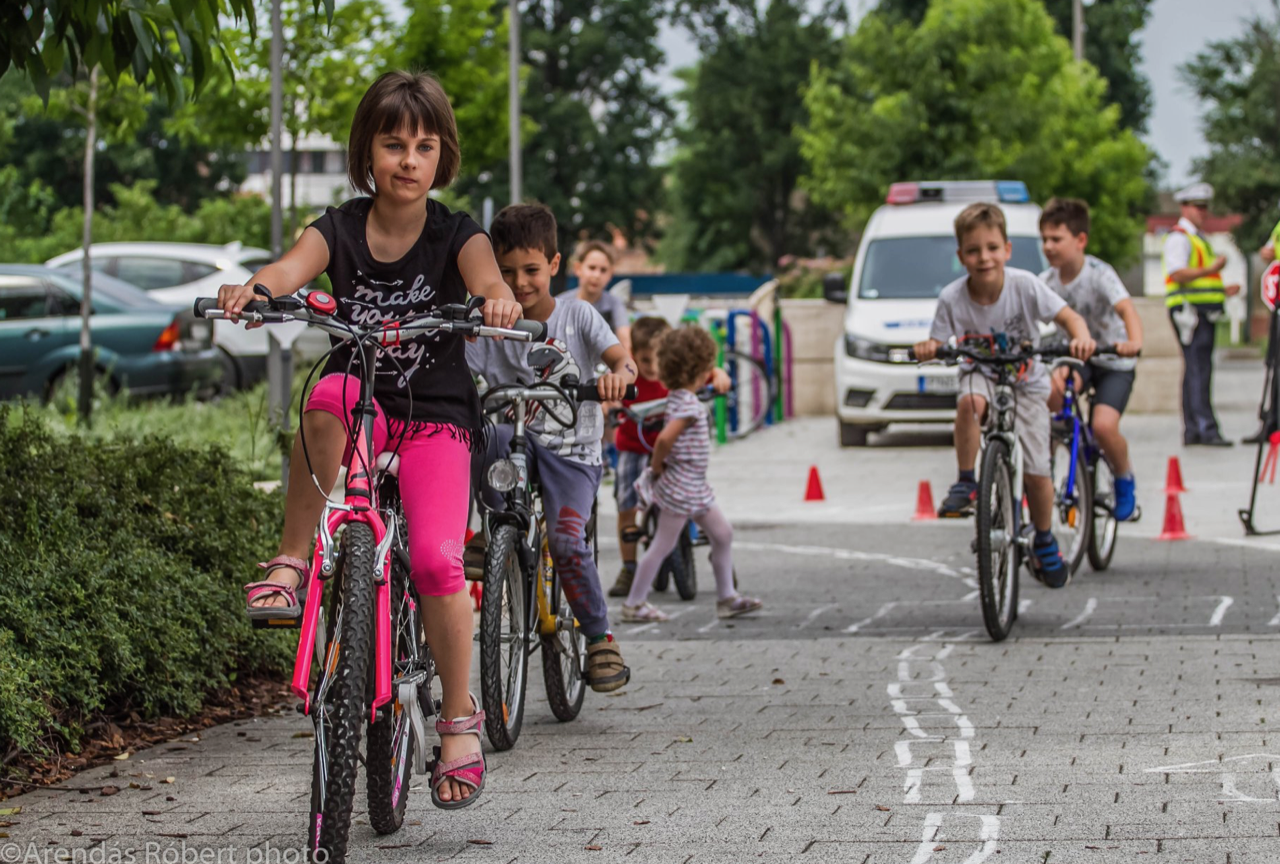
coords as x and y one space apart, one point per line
939 384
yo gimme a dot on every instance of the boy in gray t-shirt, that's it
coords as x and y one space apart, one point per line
1001 306
1093 288
566 463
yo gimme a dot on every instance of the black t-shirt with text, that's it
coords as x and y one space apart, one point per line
433 368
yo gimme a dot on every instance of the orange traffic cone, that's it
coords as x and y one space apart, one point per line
924 503
1173 479
1174 527
477 594
814 490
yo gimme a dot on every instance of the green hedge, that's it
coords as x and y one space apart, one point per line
121 563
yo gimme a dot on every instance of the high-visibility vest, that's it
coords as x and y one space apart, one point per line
1205 291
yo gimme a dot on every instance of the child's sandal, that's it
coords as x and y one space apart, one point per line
461 770
645 613
605 670
295 596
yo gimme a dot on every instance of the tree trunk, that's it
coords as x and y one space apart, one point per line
86 300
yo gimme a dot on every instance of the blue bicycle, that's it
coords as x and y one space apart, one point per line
1084 518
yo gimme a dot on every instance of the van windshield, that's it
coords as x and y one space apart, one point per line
918 268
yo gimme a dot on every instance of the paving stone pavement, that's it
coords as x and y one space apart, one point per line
840 749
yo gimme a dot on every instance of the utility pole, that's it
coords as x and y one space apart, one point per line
279 357
277 110
513 99
1077 28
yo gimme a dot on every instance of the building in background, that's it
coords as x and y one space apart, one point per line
322 172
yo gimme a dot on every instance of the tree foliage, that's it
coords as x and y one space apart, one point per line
1238 80
735 176
1110 30
40 37
464 44
599 117
982 88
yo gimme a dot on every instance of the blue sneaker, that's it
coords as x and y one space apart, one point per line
1053 571
1126 499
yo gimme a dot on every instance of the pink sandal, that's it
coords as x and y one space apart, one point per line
295 596
461 769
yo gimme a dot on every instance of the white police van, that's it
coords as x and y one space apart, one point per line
906 257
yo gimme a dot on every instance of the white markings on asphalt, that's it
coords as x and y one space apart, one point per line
648 628
923 564
705 627
1090 606
1223 605
1275 622
881 612
921 685
812 616
1267 794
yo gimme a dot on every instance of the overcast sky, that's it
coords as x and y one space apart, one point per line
1174 33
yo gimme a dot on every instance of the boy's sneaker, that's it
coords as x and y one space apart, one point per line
622 585
959 501
1049 566
1126 498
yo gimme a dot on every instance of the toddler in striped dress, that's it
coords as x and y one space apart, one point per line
677 479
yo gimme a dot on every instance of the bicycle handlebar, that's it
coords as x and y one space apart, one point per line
259 311
951 354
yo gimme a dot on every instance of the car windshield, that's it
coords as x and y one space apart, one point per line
918 268
116 291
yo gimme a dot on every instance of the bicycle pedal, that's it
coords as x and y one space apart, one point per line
277 623
473 574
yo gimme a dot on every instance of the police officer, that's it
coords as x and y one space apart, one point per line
1195 295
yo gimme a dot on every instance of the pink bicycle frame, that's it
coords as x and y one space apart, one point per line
359 505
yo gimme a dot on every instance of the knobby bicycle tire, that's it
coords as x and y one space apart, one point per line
684 569
333 790
503 691
1104 528
389 751
999 601
564 657
1073 552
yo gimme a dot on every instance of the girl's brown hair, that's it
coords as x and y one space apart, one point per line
645 332
397 100
685 356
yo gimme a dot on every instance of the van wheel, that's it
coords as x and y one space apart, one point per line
853 436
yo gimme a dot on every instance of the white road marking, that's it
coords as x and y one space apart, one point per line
705 627
921 684
812 616
650 627
1218 614
1090 606
1275 622
883 610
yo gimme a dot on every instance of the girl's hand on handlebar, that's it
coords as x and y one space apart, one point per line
1083 348
612 387
232 299
926 350
501 313
720 380
1129 349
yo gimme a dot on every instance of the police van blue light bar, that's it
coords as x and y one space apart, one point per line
959 191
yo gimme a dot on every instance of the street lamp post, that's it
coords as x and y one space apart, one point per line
513 99
1077 28
279 357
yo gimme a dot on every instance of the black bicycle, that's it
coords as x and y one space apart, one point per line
522 607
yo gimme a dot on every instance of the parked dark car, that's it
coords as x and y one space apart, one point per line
148 347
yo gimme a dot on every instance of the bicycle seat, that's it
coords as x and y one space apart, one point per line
388 462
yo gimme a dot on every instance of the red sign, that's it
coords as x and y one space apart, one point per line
1271 285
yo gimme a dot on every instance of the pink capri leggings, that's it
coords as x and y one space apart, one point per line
435 484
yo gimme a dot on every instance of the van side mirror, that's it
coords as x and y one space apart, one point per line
833 288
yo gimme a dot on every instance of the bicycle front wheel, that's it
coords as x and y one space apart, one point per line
338 704
389 758
1103 530
504 640
751 398
1072 503
997 541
